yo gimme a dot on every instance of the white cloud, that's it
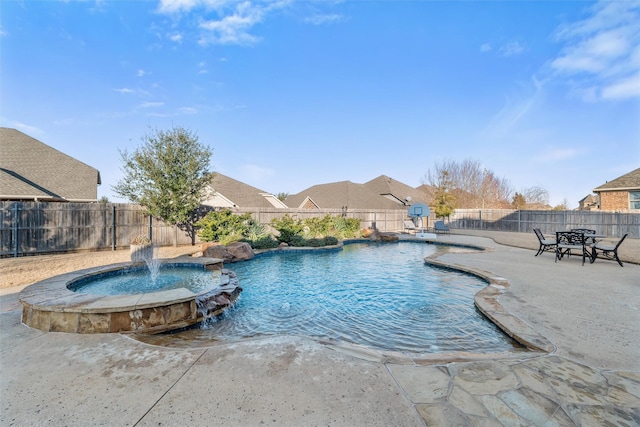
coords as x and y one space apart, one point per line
124 90
515 108
324 19
151 104
511 49
623 88
224 21
202 68
187 110
234 28
176 37
557 154
29 130
173 6
601 53
142 73
486 47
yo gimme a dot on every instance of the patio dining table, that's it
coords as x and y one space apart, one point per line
576 239
590 235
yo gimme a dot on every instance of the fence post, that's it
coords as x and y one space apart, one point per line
480 218
113 227
15 230
519 219
150 228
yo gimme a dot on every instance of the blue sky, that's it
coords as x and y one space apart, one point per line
290 94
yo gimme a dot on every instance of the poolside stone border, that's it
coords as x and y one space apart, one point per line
51 307
486 300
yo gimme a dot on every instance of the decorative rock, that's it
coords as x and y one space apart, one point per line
367 232
233 252
378 236
207 245
240 251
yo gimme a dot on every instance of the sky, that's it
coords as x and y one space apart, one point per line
289 94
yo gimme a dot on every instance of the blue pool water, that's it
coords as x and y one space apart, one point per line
138 280
381 295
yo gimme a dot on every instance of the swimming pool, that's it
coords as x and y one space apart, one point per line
381 295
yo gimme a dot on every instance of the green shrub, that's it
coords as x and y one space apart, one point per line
288 228
266 242
297 241
330 241
337 226
224 226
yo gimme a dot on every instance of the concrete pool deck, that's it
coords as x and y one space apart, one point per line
590 313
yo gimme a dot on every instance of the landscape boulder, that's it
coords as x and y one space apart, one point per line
233 252
378 236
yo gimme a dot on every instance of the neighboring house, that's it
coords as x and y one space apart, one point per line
589 203
400 192
225 192
379 193
622 193
32 170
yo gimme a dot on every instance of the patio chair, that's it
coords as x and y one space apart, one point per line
441 227
409 225
571 241
609 252
545 244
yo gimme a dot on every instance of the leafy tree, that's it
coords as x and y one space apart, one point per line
444 201
282 196
519 201
167 175
103 199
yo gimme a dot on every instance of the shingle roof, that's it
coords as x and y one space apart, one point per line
630 181
30 169
379 193
241 194
391 188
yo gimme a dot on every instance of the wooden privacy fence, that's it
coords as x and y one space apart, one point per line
30 228
612 224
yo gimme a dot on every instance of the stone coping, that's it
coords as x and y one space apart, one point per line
51 306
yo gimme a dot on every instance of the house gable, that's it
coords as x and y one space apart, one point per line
622 193
32 170
226 192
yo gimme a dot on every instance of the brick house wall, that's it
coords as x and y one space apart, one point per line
309 205
614 200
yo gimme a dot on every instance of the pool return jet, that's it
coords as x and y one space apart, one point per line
420 210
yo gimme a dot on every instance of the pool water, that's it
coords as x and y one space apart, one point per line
381 295
139 280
